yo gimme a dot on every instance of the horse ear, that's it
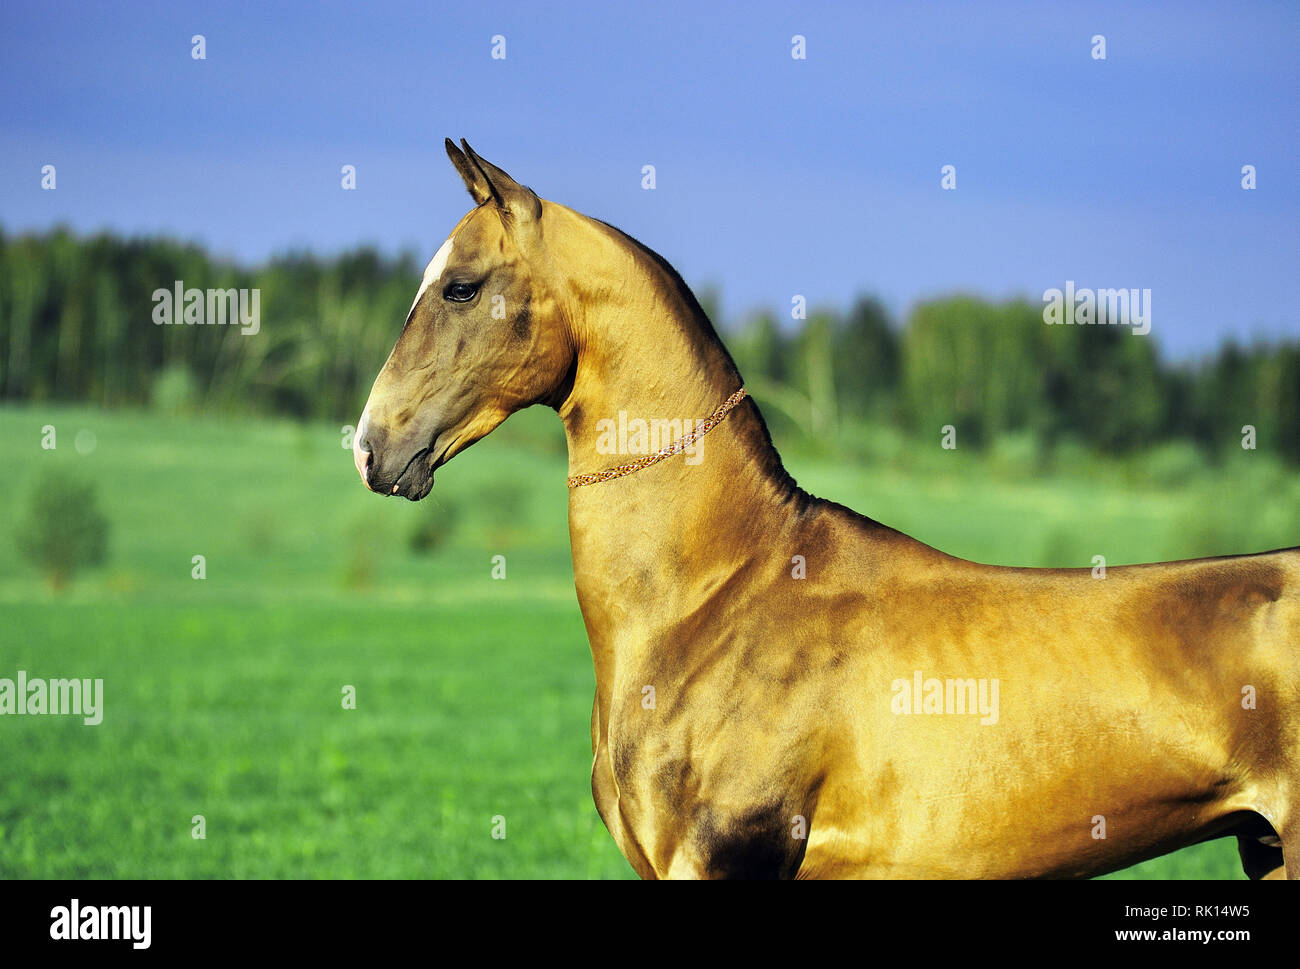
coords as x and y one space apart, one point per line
475 181
514 200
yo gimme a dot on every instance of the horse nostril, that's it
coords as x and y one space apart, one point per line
363 458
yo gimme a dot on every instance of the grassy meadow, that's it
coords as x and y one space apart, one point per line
473 695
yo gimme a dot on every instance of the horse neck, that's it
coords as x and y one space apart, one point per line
654 543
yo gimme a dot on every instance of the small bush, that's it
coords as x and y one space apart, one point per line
503 504
433 528
364 541
1172 464
63 530
174 391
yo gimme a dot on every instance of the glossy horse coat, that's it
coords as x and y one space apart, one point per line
787 688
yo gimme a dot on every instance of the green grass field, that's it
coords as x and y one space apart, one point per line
223 695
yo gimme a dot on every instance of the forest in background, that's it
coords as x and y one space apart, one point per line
76 325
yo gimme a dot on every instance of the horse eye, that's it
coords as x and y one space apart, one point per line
460 292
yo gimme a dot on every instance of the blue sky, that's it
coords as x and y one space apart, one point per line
774 176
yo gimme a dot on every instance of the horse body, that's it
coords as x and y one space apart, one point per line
754 645
1120 698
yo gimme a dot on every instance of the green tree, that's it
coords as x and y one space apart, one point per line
975 365
866 359
63 530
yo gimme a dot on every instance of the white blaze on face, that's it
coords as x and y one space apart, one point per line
433 271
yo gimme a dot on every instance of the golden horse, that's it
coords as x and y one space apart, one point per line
786 688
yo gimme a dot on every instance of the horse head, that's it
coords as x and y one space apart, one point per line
485 336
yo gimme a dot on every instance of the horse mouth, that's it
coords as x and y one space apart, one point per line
416 479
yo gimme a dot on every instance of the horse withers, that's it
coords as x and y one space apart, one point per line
829 696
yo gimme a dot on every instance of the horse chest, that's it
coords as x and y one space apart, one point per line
682 813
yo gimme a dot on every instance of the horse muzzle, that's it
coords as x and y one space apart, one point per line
385 474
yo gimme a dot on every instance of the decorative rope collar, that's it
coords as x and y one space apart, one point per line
683 442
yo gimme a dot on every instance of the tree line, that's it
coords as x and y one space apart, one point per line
77 324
